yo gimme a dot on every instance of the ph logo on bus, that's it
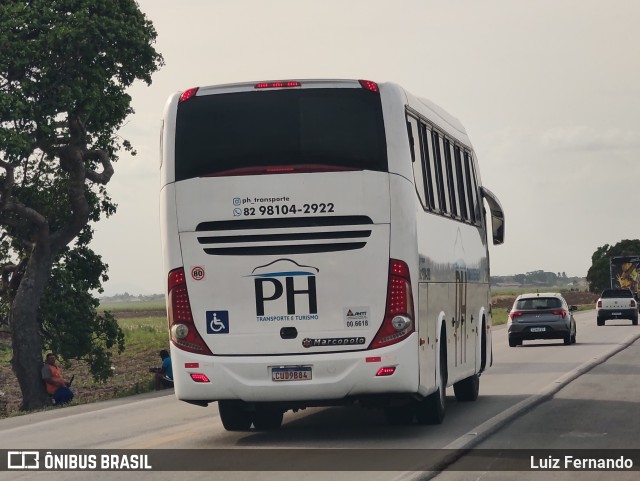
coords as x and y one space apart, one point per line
285 284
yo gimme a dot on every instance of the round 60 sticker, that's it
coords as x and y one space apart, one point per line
197 273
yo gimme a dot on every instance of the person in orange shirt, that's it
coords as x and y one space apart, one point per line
57 387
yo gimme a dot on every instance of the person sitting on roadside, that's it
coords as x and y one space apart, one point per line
57 387
164 373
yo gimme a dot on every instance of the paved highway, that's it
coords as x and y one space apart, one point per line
520 379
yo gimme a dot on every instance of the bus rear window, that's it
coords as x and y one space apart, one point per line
329 128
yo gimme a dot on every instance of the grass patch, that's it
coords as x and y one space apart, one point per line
145 332
133 306
499 315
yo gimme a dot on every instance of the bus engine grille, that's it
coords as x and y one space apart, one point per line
285 235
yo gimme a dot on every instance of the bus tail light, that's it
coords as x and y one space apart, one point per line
182 329
398 321
187 94
369 85
277 85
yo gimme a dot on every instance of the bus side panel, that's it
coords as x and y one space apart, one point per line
393 110
167 172
171 254
453 262
427 323
477 302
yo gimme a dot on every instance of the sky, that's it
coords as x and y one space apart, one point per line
548 91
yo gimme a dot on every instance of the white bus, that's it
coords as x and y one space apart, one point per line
325 243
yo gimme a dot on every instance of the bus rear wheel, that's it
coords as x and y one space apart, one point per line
467 389
233 416
431 410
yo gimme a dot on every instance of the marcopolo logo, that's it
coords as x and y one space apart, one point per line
285 282
334 341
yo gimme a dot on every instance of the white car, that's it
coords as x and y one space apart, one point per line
617 304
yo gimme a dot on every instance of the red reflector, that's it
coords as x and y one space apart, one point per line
187 94
199 377
369 85
277 85
191 364
386 371
373 359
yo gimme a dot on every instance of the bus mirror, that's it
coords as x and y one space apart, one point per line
497 215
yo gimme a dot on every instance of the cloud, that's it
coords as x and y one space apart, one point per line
582 138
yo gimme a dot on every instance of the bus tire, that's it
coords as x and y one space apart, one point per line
467 389
431 410
267 419
234 417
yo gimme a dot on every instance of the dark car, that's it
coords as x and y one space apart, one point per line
541 316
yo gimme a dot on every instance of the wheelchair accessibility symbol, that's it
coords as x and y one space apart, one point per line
217 322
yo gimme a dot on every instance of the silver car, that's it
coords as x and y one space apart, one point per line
541 316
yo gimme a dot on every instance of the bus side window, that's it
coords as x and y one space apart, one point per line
451 181
427 157
472 188
460 176
416 157
442 190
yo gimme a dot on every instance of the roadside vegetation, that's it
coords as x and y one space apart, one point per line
144 325
145 333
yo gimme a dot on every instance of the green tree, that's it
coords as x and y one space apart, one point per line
70 324
599 274
65 66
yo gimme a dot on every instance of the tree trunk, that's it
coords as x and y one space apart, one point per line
25 328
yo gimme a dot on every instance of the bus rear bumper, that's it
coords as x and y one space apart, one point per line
332 376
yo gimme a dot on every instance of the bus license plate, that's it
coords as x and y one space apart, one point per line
538 329
291 373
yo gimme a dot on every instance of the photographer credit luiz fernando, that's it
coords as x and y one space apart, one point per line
575 463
